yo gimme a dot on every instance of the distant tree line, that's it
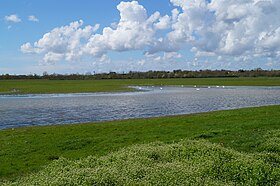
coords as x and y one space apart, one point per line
149 75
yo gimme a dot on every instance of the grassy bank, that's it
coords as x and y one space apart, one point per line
26 150
74 86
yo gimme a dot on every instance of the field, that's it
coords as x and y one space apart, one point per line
74 86
239 134
234 147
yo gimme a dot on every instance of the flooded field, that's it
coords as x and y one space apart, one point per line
47 109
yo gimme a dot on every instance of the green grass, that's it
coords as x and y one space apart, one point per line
27 150
188 162
241 145
74 86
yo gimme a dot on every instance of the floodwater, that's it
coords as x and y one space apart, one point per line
47 109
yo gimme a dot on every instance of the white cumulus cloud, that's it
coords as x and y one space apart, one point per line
63 43
33 18
13 18
232 27
135 31
239 29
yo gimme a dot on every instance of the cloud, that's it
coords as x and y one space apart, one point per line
236 29
132 12
169 56
63 43
13 18
164 23
230 27
33 18
135 31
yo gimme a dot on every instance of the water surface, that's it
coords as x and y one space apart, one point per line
46 109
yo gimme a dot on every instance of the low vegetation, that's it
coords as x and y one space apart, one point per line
188 162
218 148
74 86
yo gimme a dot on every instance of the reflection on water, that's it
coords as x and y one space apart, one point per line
27 110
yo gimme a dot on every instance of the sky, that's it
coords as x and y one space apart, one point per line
120 36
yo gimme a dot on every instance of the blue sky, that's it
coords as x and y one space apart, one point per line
85 36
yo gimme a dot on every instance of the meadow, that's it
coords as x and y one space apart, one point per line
239 134
233 147
75 86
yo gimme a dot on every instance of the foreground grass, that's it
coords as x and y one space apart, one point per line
188 162
74 86
26 150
